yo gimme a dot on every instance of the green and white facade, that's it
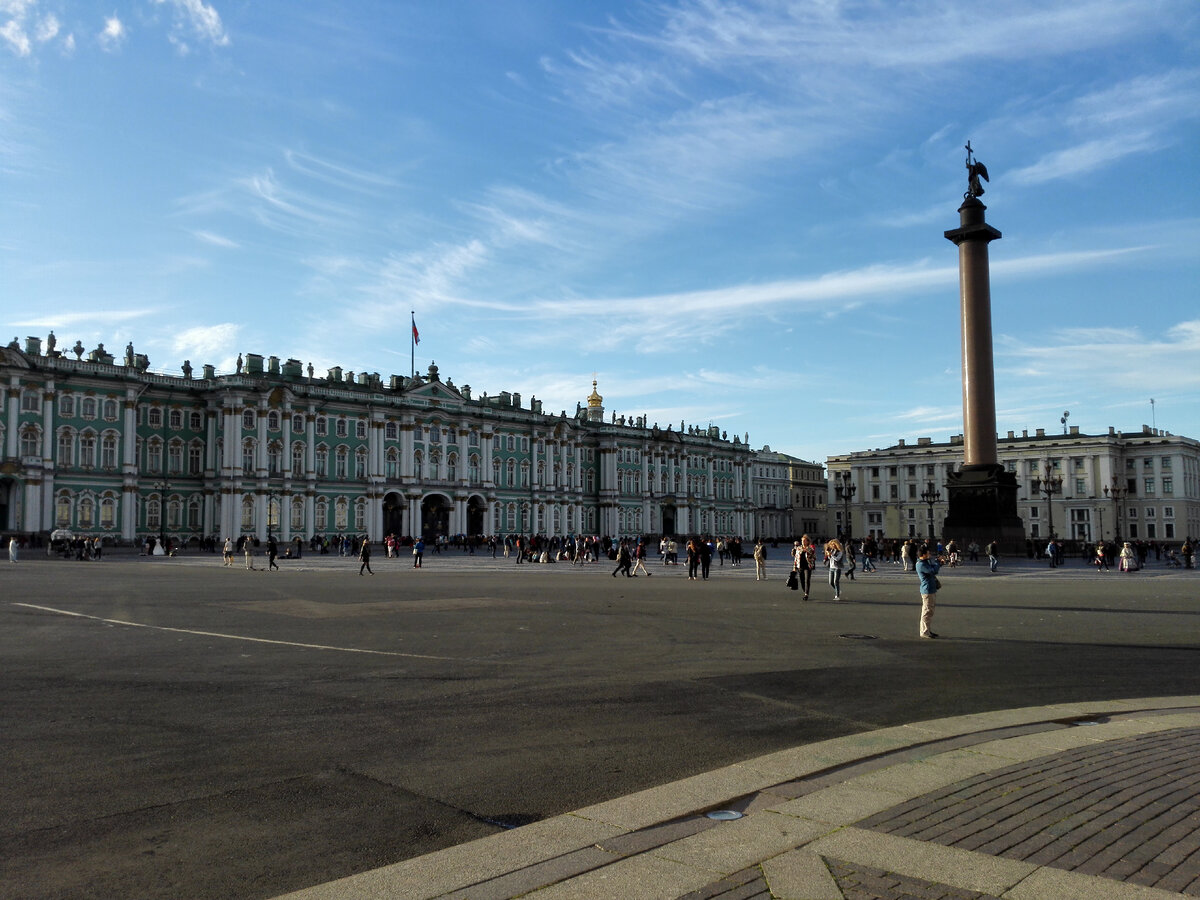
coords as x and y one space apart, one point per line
106 447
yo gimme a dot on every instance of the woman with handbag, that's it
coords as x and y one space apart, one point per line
804 557
835 559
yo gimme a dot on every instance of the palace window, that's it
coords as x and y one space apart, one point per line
195 421
31 401
452 466
342 427
342 514
248 419
195 458
87 409
392 461
174 513
194 512
247 514
87 512
154 456
108 512
175 419
62 511
297 514
360 515
1168 485
297 424
153 514
66 448
66 406
321 514
297 459
473 468
342 458
390 431
108 451
1149 483
512 474
322 426
275 457
360 429
175 458
273 420
248 456
360 463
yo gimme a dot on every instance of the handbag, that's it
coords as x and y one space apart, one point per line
792 581
937 583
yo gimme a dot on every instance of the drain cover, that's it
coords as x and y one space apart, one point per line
724 815
854 636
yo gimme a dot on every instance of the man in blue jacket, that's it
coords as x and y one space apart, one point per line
927 570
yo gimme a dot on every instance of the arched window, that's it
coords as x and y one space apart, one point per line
473 468
341 510
390 431
66 448
297 514
87 409
496 472
343 430
360 429
510 516
510 443
153 513
452 466
419 464
66 406
62 510
297 459
274 509
248 447
248 419
275 457
525 474
108 511
195 458
87 512
360 514
512 473
273 420
194 512
435 434
360 463
154 456
321 515
322 426
154 416
108 451
247 513
175 419
297 424
175 457
30 439
110 410
392 460
174 513
343 456
322 462
195 421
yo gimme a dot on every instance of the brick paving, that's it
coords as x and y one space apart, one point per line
1127 810
748 884
859 882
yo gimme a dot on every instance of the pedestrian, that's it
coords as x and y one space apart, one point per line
1102 557
227 552
693 559
272 553
993 554
1128 558
1052 554
868 551
419 552
640 559
13 548
760 560
834 559
804 559
706 552
248 549
927 571
624 562
364 555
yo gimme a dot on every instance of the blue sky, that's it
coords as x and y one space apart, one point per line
731 213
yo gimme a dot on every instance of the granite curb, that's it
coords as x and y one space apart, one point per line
801 817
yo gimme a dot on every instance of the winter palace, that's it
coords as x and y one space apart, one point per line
100 445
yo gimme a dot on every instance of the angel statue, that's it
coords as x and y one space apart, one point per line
975 171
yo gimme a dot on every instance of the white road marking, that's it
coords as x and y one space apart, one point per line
234 637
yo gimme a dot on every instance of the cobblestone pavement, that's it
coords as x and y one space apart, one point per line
1090 801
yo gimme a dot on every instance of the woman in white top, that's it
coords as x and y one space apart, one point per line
835 557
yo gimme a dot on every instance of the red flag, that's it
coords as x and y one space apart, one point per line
416 334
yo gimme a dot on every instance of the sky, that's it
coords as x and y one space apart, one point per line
727 213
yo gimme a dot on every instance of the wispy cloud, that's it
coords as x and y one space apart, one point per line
112 35
197 19
215 240
23 27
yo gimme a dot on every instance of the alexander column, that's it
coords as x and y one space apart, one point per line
982 494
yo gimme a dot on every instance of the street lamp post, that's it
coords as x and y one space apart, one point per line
845 491
1117 492
930 496
1048 487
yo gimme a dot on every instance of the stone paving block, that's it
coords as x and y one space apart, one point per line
743 842
1049 883
530 878
675 799
840 805
644 877
656 835
933 862
800 875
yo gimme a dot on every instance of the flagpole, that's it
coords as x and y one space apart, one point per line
412 345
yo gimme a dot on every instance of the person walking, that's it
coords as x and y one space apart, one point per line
1128 558
834 559
1102 557
804 559
693 560
248 550
640 559
760 560
364 556
1052 554
272 552
624 562
227 552
993 554
13 549
927 570
419 552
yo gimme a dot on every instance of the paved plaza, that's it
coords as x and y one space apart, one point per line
481 729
